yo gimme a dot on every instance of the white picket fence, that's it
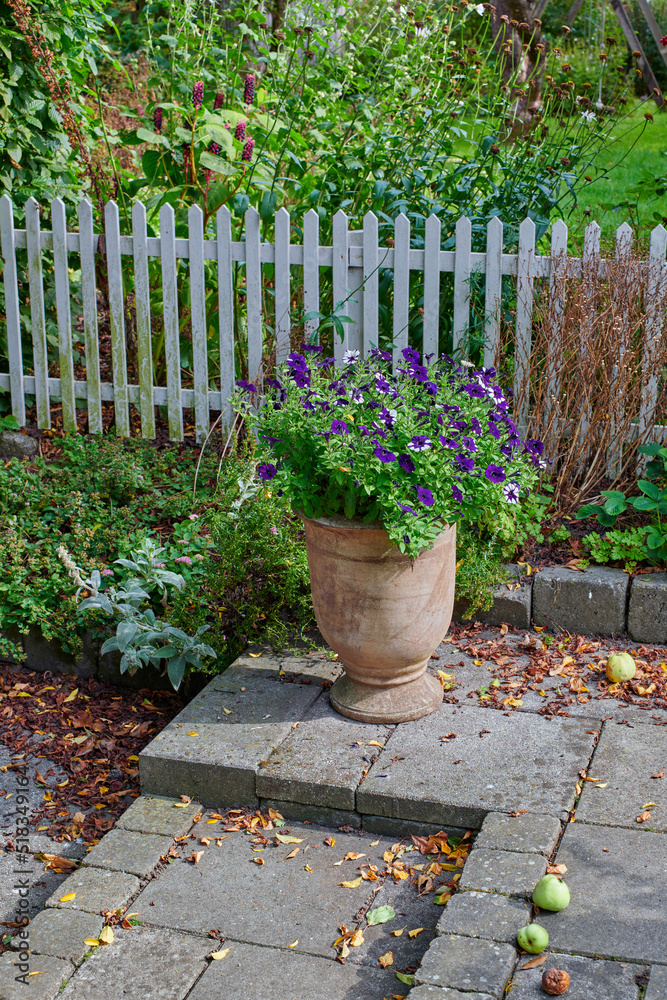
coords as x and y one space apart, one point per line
355 258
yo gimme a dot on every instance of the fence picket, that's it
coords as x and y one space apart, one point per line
339 281
253 283
12 310
493 291
655 285
371 283
431 335
37 319
172 348
198 318
524 320
401 286
61 274
143 313
556 317
225 312
89 300
311 275
282 286
615 448
117 319
462 268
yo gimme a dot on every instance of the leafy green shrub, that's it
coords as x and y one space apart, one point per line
626 545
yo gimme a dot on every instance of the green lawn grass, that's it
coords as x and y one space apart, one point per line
627 175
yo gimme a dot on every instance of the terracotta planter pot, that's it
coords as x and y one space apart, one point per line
383 613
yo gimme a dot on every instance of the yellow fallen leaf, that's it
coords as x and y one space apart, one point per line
353 856
258 861
209 821
388 857
292 854
352 885
183 805
386 960
445 677
197 856
285 839
344 950
91 942
206 841
217 955
374 743
133 757
307 868
193 734
41 973
398 933
647 805
66 899
254 655
374 843
357 939
106 935
603 785
293 944
415 932
399 875
227 711
71 696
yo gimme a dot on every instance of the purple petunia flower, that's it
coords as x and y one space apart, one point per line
418 372
419 443
388 417
302 379
350 357
248 386
339 427
448 442
297 361
407 510
431 388
474 391
534 447
379 355
425 496
356 396
456 493
465 463
494 430
468 443
267 471
410 354
406 463
475 426
273 383
511 491
384 454
312 348
271 440
495 474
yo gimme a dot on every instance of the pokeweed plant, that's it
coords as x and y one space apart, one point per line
413 449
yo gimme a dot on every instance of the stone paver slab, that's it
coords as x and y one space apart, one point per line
61 933
140 964
484 915
657 984
438 993
96 890
321 815
503 871
647 610
589 980
154 814
45 986
274 903
252 971
590 602
217 765
625 758
322 761
467 964
505 763
618 886
128 851
526 834
412 911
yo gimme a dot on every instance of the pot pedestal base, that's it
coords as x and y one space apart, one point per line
386 705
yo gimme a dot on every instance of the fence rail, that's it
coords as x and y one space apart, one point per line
355 259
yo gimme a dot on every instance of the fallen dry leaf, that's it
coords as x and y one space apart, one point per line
535 962
374 743
398 933
91 942
556 869
352 885
258 861
217 955
353 856
66 899
286 839
292 854
307 868
386 960
329 841
357 939
413 933
106 935
660 774
643 817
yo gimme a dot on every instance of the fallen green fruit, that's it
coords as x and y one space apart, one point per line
551 894
533 939
620 667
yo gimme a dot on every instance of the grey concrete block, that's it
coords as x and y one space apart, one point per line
511 604
165 816
217 766
618 888
322 761
467 964
321 815
624 760
128 851
14 444
53 972
505 763
647 611
140 964
503 871
96 890
61 933
438 993
657 984
391 827
252 971
528 833
592 601
589 980
484 915
46 654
